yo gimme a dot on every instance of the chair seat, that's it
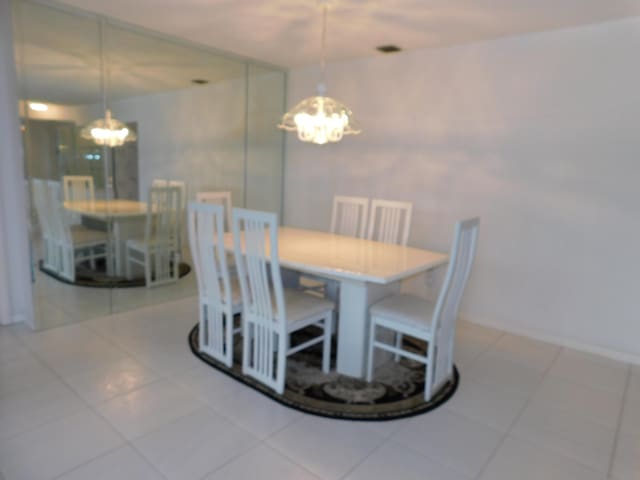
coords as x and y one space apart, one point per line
81 236
406 309
300 305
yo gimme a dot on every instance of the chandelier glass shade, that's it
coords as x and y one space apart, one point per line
320 119
108 131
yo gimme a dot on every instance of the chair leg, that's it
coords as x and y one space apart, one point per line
92 258
147 269
428 381
326 344
127 262
396 357
372 337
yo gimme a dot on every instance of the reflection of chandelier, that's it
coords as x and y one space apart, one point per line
320 119
108 131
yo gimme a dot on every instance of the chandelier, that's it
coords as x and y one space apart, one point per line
108 131
320 119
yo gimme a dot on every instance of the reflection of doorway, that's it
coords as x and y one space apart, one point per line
123 168
49 148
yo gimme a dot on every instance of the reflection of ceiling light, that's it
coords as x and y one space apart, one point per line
320 119
38 107
108 131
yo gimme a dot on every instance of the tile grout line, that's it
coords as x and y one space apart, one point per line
517 418
619 422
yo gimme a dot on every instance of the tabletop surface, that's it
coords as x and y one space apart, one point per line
348 258
103 209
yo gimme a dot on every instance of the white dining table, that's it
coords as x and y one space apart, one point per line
124 217
367 271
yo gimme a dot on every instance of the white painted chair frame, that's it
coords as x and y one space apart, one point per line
440 332
215 290
390 221
77 187
349 216
220 198
61 251
159 251
158 182
266 328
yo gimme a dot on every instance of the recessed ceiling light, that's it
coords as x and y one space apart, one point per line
38 107
199 81
388 48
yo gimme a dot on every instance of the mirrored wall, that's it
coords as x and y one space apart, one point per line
193 120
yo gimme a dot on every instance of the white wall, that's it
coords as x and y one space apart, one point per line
539 135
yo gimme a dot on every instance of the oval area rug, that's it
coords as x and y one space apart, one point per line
396 392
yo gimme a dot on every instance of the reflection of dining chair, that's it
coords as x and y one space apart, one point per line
75 188
349 216
413 316
64 246
389 221
221 198
271 313
159 251
219 298
183 202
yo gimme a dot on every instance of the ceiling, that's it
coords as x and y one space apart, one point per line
287 32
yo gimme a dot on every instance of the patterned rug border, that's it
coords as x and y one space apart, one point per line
293 400
185 269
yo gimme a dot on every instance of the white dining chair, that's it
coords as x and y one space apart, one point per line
64 245
389 221
159 251
220 198
270 312
413 316
75 188
219 298
349 216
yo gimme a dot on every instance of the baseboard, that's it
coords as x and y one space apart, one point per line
560 341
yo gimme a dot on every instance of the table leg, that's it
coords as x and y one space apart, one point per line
353 327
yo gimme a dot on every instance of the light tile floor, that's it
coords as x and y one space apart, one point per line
121 397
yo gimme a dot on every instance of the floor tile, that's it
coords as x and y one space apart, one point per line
593 404
209 384
255 412
194 445
393 460
456 442
103 383
569 434
261 462
485 404
626 462
506 376
31 407
22 372
517 459
121 464
591 370
525 351
149 407
57 447
328 448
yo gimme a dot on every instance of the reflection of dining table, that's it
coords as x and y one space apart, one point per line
125 219
367 271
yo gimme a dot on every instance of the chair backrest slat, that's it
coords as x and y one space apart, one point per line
446 310
390 221
221 198
349 216
78 187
